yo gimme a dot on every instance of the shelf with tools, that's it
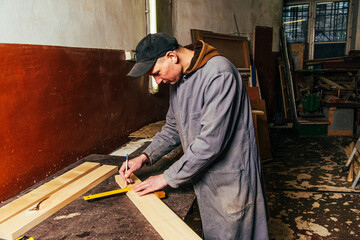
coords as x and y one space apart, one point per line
330 93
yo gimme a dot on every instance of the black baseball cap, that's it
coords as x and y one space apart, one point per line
149 49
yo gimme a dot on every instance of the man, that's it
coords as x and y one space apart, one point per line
210 116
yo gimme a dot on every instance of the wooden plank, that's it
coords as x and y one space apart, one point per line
296 51
25 220
160 216
148 131
340 133
309 122
264 144
332 83
253 93
42 192
265 61
283 90
289 78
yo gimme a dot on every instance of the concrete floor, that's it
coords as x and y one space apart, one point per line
307 191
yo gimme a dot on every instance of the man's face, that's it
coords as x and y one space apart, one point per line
167 69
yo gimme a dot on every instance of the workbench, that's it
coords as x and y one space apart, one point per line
114 217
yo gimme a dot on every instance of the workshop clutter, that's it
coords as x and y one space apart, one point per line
323 94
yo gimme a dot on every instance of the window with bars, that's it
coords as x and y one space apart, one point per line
331 21
295 20
330 29
326 21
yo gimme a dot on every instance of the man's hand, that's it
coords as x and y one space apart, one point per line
133 165
150 185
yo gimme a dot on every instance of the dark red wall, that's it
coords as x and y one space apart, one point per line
59 104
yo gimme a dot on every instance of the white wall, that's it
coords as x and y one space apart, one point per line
109 24
218 16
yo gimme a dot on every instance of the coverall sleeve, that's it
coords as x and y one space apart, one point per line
165 140
217 121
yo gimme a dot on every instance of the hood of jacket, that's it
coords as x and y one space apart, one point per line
203 52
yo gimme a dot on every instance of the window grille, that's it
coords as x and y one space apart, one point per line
295 20
331 21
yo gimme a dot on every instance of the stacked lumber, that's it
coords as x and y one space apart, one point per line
27 211
332 84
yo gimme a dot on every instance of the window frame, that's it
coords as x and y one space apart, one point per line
312 20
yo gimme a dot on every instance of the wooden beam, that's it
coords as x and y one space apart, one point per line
42 192
332 83
160 216
28 218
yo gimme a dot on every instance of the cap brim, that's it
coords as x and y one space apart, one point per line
141 68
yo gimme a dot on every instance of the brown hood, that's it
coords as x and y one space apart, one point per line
203 52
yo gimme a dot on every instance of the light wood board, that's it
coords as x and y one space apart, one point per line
45 190
160 216
26 219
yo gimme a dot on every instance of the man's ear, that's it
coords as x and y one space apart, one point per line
172 56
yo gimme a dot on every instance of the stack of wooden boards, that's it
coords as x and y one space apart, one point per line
27 211
353 162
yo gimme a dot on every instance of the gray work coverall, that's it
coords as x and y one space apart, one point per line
210 115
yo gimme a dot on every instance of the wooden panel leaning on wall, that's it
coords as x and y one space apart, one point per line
264 144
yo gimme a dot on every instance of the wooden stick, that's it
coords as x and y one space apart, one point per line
356 166
350 176
332 83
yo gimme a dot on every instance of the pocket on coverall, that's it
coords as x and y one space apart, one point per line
233 189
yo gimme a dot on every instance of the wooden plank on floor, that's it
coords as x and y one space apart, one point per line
28 218
160 216
42 192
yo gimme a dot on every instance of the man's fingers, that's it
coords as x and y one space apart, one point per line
142 193
128 173
143 189
140 187
150 185
129 180
122 172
